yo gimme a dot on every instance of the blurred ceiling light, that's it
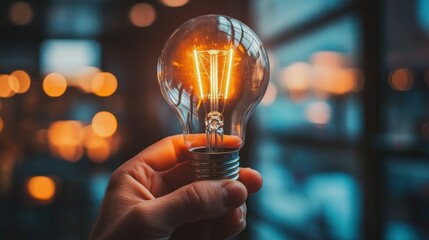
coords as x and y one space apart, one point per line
23 79
5 89
270 95
401 79
21 13
318 113
54 84
103 84
41 188
104 124
174 3
142 15
1 124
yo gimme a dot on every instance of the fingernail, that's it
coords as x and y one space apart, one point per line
243 211
233 194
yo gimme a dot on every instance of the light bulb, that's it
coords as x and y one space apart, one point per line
213 71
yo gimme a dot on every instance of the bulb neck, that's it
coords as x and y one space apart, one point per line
207 165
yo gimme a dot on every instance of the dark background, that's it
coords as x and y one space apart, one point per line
341 137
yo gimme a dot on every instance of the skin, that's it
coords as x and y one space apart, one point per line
152 196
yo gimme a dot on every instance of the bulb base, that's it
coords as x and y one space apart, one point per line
223 164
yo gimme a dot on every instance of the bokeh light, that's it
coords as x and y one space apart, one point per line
401 79
97 148
23 79
142 15
104 84
1 124
270 95
174 3
65 139
21 13
5 89
13 84
296 79
318 113
54 85
104 124
41 188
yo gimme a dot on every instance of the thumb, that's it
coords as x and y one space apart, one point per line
199 200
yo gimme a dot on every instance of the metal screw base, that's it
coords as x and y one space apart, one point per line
215 165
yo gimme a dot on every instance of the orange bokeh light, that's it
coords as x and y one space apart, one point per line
65 139
104 84
97 148
5 86
41 188
174 3
401 79
54 85
21 13
104 124
1 124
23 79
142 15
318 113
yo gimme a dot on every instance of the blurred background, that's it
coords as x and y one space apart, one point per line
342 134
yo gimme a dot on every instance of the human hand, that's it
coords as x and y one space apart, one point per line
152 196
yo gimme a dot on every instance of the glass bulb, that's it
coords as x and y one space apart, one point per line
213 71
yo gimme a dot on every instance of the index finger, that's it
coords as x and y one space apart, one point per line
169 151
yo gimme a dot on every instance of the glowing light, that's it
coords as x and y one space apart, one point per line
296 77
104 84
174 3
1 124
21 13
71 153
270 95
401 79
142 15
318 113
41 188
13 84
328 59
65 138
104 124
23 79
207 65
5 89
54 85
97 148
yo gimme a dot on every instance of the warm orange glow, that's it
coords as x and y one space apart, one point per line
142 15
318 113
54 85
328 59
65 138
104 84
71 153
65 133
296 77
23 80
401 79
1 124
174 3
41 188
13 83
104 124
213 69
97 148
270 95
21 13
5 87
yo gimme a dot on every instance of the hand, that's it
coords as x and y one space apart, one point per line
152 196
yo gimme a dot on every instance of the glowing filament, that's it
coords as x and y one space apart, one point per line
213 67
